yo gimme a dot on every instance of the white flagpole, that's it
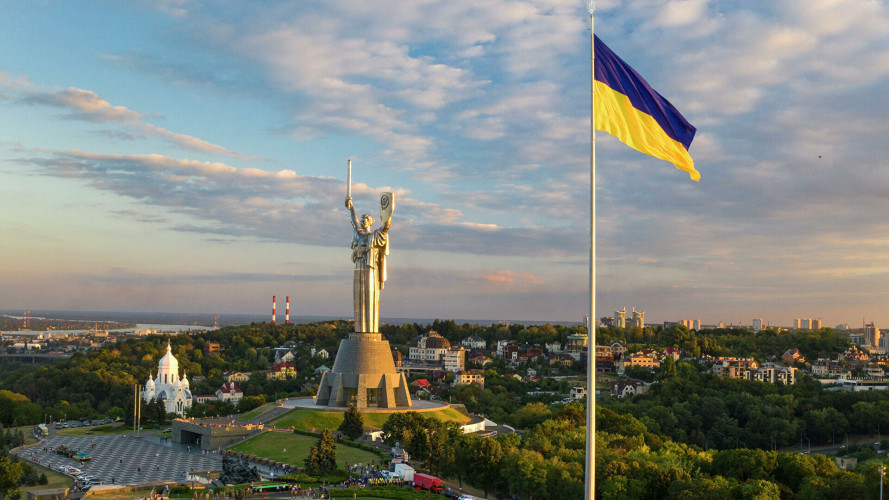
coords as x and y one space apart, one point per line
590 483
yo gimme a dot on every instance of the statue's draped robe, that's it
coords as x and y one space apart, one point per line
369 251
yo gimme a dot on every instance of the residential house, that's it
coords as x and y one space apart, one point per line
618 348
671 352
604 359
821 367
321 353
640 359
853 357
466 377
577 393
554 347
792 356
733 367
563 359
624 388
480 359
527 357
773 373
212 348
502 345
281 371
283 355
474 342
230 392
420 383
236 376
576 345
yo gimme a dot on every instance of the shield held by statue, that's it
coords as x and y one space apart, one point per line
387 205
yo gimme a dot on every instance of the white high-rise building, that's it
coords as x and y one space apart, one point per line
620 318
168 386
638 318
757 324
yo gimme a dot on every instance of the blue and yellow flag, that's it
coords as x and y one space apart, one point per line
629 109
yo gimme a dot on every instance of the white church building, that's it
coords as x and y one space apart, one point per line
174 391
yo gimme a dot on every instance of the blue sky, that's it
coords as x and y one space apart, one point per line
190 156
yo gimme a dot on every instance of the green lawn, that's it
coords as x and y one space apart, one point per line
320 420
311 420
55 480
27 431
272 445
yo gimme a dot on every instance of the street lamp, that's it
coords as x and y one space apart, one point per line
882 470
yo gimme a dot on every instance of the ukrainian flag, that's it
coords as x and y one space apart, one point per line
628 108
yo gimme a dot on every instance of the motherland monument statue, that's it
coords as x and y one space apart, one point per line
364 372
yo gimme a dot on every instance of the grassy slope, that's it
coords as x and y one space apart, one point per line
55 480
318 420
272 445
258 411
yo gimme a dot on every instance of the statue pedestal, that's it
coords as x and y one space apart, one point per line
364 375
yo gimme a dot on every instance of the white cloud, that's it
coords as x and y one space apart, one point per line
90 106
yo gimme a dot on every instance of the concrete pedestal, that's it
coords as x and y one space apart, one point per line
364 375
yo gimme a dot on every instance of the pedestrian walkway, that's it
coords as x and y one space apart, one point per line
124 458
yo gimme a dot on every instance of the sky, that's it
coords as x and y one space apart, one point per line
190 156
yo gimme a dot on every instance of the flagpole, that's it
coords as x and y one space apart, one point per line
590 483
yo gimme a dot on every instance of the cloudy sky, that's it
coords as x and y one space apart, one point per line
190 156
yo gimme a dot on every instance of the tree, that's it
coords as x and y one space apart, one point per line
158 411
530 415
353 423
322 456
248 403
9 478
486 457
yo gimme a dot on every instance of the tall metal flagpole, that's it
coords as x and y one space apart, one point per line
590 483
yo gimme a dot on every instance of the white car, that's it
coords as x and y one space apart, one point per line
73 470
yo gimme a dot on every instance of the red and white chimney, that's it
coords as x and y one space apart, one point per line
274 306
287 314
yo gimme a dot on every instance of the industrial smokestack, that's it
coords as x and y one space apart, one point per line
274 306
287 314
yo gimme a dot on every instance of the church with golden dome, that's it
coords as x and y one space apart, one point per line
168 386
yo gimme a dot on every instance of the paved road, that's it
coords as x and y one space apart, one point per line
124 458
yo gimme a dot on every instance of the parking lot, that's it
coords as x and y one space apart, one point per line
123 458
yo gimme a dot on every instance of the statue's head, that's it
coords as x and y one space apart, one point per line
367 221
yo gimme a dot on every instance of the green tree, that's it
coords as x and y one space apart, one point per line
248 403
9 478
353 423
486 456
530 415
322 456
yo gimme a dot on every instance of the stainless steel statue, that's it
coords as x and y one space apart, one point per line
364 372
369 251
